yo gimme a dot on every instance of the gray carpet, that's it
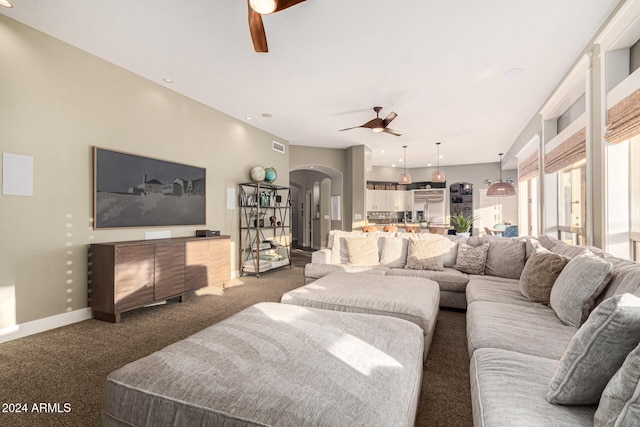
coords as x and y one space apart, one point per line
68 365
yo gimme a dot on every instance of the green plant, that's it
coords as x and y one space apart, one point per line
462 223
423 220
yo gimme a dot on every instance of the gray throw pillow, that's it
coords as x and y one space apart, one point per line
505 258
574 292
540 273
596 352
620 401
471 259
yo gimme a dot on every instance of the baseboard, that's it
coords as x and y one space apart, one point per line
36 326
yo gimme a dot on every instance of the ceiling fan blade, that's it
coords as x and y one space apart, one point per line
258 35
373 123
392 115
283 4
391 131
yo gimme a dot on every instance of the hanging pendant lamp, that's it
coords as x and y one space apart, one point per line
405 178
438 175
501 189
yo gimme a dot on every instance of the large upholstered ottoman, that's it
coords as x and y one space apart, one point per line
276 365
411 298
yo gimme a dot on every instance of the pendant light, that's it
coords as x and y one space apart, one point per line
405 178
501 189
438 175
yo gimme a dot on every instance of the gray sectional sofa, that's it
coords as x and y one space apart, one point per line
546 321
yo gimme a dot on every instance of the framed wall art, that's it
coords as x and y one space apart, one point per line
137 191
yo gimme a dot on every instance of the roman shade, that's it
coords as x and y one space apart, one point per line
624 119
528 168
572 150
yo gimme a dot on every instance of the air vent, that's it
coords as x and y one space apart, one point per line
278 147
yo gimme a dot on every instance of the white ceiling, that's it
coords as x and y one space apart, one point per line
439 64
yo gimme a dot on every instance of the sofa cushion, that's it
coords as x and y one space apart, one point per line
574 292
540 273
620 401
596 352
394 252
533 329
505 258
362 251
425 255
471 259
449 279
625 278
316 271
495 289
509 389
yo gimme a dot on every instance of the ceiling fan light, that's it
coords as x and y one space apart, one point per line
263 7
438 176
6 3
377 130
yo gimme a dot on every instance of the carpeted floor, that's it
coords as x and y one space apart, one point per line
65 368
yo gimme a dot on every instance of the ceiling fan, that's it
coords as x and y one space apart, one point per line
378 124
257 8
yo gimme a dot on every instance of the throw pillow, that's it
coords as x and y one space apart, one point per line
471 259
339 252
505 258
620 401
394 252
362 251
450 249
596 352
425 255
540 273
571 251
576 288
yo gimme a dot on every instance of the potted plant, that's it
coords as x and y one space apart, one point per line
423 223
462 224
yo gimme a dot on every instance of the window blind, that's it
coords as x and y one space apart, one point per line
624 119
528 168
572 150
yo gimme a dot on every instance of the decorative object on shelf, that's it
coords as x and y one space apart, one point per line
258 173
270 175
462 224
438 175
257 215
273 220
499 188
405 178
265 199
423 223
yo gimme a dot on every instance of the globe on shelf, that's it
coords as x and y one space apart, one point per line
258 173
271 174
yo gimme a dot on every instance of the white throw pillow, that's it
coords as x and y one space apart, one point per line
425 255
394 252
362 251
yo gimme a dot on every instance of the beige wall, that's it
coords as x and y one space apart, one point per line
57 102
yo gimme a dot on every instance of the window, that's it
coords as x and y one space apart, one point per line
572 206
634 197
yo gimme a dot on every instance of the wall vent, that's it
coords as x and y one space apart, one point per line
278 147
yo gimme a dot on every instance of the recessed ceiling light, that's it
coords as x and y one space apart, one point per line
428 164
166 79
441 156
267 115
6 3
514 72
248 118
383 151
393 165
